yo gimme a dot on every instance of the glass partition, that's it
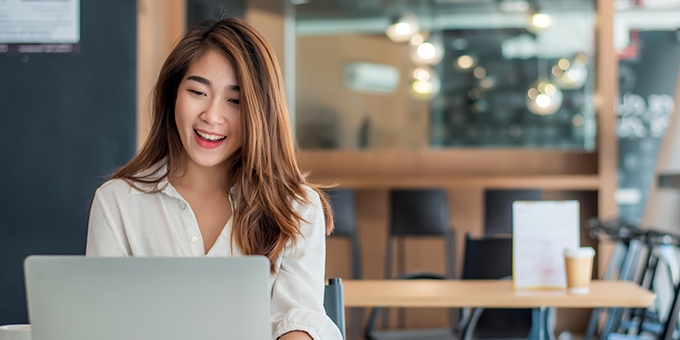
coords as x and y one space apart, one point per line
436 74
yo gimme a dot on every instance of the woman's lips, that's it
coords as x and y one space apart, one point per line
207 140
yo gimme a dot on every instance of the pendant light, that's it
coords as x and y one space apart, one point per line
425 50
571 74
543 97
424 83
402 28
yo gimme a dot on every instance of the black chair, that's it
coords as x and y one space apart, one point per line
498 208
490 258
344 217
415 213
419 213
334 303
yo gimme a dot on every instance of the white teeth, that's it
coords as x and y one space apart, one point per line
210 137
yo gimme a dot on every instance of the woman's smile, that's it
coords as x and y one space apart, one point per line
208 140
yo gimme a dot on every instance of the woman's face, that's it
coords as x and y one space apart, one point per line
207 111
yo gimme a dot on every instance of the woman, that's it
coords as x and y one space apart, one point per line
218 177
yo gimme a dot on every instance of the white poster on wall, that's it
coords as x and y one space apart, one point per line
40 22
39 26
541 231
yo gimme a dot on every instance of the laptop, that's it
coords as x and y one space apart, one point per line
86 298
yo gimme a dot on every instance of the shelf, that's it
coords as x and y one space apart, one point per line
453 168
551 182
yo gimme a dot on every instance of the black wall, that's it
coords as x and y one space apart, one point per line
66 121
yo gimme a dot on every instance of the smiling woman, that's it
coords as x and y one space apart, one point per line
207 111
217 176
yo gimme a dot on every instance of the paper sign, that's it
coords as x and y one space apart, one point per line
39 22
540 232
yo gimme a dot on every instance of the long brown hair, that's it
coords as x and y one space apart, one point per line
264 172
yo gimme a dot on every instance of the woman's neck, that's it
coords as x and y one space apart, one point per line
199 179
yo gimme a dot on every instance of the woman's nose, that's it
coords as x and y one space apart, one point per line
214 114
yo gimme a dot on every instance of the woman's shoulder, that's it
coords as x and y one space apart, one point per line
117 186
311 196
152 178
308 200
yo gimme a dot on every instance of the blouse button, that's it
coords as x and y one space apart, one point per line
194 240
182 205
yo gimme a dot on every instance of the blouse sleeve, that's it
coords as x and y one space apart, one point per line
105 234
298 291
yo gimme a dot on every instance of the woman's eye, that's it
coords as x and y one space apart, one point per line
235 101
198 93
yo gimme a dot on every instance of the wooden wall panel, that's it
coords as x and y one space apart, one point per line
159 25
606 94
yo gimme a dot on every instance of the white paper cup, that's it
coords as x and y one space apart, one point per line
579 267
15 332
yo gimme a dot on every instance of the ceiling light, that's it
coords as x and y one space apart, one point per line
425 83
402 29
479 72
417 39
466 62
540 21
426 50
571 74
430 52
544 98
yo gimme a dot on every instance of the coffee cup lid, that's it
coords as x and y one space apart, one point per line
579 252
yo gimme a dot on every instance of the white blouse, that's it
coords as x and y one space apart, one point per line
127 222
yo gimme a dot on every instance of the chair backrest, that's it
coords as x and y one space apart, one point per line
344 218
487 258
344 215
490 258
334 303
416 212
498 208
420 212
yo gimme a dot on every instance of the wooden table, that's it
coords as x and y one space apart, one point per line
489 294
492 294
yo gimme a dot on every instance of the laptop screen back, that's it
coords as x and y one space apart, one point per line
79 298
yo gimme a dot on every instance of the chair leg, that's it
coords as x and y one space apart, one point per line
451 254
401 270
389 249
356 258
389 252
401 256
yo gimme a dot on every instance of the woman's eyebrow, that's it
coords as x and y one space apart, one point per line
200 80
206 82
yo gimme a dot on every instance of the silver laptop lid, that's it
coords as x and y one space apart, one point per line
79 298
